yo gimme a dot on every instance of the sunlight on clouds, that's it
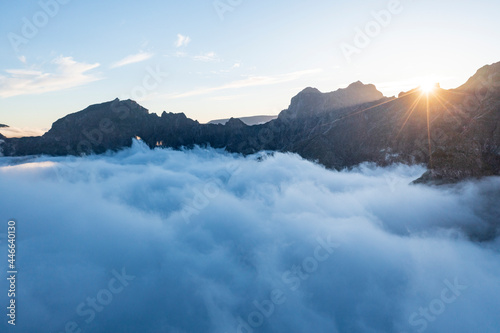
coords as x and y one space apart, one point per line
68 73
32 165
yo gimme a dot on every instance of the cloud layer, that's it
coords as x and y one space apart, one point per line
204 241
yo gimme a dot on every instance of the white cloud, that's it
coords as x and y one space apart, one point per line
253 228
22 59
23 72
67 73
252 81
132 59
206 57
182 40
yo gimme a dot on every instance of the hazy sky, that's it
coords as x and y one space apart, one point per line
215 59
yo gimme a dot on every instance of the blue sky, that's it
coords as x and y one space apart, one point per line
216 59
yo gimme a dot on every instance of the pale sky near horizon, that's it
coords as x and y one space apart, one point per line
217 59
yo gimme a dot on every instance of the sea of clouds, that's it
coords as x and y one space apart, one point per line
205 241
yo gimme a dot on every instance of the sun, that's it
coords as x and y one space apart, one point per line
428 87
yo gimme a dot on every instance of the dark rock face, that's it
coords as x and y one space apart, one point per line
455 132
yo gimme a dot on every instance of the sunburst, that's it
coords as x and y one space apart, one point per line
428 87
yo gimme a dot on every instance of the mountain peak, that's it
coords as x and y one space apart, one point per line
358 85
180 115
235 123
311 101
310 90
355 84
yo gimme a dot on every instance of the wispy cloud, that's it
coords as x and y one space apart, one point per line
132 59
204 57
182 40
23 72
226 97
252 81
68 73
207 57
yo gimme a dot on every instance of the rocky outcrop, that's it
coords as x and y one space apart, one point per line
311 102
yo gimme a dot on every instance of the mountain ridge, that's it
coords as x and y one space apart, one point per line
456 133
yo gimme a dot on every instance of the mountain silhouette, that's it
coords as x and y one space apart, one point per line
456 132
